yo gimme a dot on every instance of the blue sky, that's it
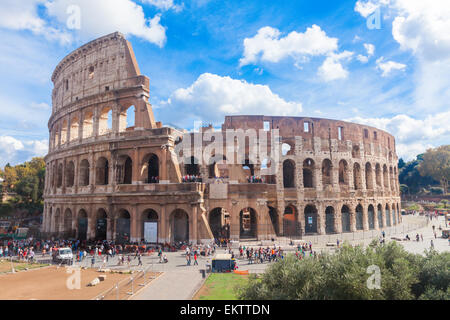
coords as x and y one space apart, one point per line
207 59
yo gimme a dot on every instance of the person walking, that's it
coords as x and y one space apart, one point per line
195 259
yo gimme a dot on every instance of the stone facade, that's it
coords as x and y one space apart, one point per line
109 171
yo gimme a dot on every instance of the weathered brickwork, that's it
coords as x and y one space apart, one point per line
110 170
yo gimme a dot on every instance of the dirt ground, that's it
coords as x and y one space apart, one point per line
49 283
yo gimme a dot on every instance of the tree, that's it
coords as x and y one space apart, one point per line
436 164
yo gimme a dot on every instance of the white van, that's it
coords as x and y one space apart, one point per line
63 255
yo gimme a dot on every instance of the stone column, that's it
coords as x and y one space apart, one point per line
317 179
162 225
194 223
337 219
321 220
352 218
135 230
365 217
335 176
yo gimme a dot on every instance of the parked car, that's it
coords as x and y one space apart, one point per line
63 255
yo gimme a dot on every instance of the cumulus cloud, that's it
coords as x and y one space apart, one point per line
211 97
100 17
97 18
269 45
15 151
388 66
332 69
413 135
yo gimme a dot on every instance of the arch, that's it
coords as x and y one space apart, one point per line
70 174
345 218
310 219
74 128
371 216
289 174
369 176
101 225
355 152
150 168
248 223
57 223
286 149
84 172
64 131
68 221
388 215
357 178
105 121
179 223
102 171
123 226
326 172
380 216
150 216
308 173
290 224
82 224
359 217
60 176
378 174
248 167
394 215
385 177
343 172
273 214
219 222
125 170
392 179
88 124
329 220
191 166
127 119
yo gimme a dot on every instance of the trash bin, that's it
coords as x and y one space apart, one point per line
202 271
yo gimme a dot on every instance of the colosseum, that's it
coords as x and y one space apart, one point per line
115 173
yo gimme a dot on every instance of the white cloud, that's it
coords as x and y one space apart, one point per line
211 97
40 106
370 48
269 45
366 8
164 5
413 136
100 17
332 69
14 151
362 58
388 66
23 15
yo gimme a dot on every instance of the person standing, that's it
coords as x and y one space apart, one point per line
195 259
432 244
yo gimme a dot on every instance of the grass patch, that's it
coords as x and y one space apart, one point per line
220 286
5 266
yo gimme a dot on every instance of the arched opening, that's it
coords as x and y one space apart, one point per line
394 215
286 149
64 130
355 152
248 223
56 138
180 226
357 181
290 224
60 176
369 176
385 177
219 222
380 216
326 172
310 219
127 119
217 167
149 226
57 221
125 170
308 173
102 171
88 124
359 217
68 222
82 224
105 121
289 174
343 172
153 169
371 216
268 172
345 218
101 225
191 166
70 174
274 219
74 128
249 168
329 220
392 179
378 174
84 173
388 215
123 226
